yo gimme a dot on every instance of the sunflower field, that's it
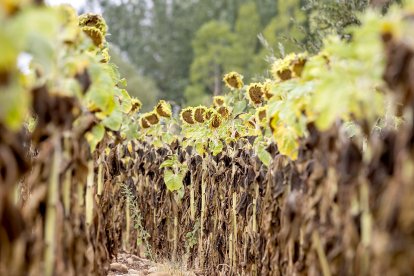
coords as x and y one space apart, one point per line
307 172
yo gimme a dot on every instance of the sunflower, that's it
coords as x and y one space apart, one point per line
199 113
267 89
209 113
224 111
255 93
251 123
93 20
216 121
289 67
218 101
163 109
152 118
298 64
233 80
186 115
144 123
136 105
261 114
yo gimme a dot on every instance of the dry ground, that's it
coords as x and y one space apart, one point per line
129 264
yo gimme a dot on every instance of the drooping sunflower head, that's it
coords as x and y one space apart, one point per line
298 64
233 80
224 111
199 113
261 114
255 93
93 20
218 101
152 118
144 123
267 89
251 123
216 120
136 105
163 109
289 67
209 113
186 115
94 26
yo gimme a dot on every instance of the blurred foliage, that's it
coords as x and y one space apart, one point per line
326 17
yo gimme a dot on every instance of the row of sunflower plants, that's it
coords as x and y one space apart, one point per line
341 85
59 98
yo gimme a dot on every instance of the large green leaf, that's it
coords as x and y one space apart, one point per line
173 181
263 154
114 121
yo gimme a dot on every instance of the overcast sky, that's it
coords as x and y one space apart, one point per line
75 3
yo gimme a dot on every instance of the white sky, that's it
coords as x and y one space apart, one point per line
75 3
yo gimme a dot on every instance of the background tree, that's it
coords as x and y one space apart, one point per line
215 52
138 86
327 17
163 38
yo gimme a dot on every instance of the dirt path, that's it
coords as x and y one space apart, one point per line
128 264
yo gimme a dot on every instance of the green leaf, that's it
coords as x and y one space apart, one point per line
14 106
100 95
263 154
8 50
239 107
95 136
114 121
216 146
173 181
126 101
168 138
200 148
169 162
131 130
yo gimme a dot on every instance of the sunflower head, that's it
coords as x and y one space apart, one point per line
152 118
93 20
199 113
94 26
233 80
136 105
251 123
267 89
255 93
218 101
224 111
261 114
208 114
216 120
298 64
144 123
163 109
289 67
186 115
